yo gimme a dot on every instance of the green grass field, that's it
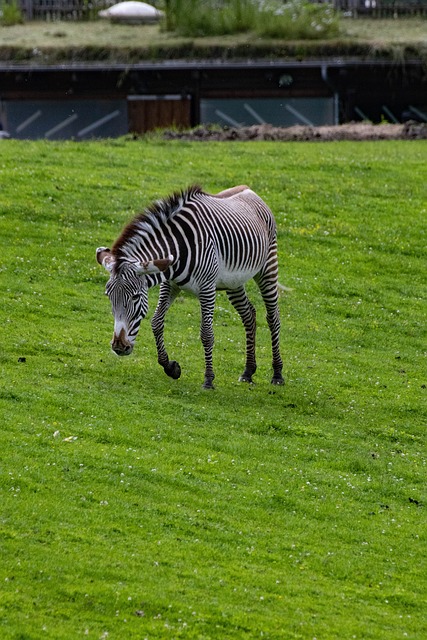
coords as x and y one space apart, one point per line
136 506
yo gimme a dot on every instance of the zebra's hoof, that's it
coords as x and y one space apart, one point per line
208 385
173 370
277 380
246 378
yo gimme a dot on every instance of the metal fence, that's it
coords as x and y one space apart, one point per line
382 8
86 9
62 9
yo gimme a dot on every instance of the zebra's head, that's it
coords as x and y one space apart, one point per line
127 289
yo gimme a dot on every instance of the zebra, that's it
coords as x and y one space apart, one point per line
197 242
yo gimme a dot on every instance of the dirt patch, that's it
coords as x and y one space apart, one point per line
352 131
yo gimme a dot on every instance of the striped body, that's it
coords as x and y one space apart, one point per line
200 243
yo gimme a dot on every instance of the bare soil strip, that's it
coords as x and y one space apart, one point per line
351 131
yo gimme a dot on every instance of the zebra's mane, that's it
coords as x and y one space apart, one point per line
158 211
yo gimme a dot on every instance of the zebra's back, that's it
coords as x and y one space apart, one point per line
232 237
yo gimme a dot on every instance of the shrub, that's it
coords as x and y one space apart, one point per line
10 13
267 18
297 19
207 18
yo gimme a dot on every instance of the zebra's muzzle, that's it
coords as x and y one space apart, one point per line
121 345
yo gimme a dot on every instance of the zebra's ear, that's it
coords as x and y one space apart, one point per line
155 266
104 257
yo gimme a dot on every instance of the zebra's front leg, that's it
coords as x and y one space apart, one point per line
207 304
247 313
168 293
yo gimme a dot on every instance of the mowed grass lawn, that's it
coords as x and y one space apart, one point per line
136 506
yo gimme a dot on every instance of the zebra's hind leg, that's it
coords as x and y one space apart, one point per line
267 283
207 304
168 293
247 313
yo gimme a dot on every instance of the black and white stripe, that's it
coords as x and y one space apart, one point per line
200 243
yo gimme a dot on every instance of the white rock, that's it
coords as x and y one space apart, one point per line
132 12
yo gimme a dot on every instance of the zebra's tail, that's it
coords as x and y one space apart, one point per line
281 287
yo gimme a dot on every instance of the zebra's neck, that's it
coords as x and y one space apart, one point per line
141 248
154 279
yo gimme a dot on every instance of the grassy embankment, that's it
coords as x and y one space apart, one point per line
41 42
136 506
